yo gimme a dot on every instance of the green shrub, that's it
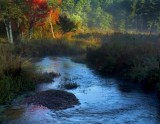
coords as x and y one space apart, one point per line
10 87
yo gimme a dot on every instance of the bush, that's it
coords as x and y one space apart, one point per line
10 87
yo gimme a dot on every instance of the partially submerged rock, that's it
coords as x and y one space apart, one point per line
70 86
44 77
53 99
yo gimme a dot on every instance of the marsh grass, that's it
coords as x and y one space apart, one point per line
17 75
134 57
47 47
116 36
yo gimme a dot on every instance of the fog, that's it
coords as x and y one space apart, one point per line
117 15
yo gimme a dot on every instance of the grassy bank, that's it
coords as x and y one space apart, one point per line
46 47
132 57
17 75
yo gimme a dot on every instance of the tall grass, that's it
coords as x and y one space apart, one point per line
117 36
46 47
17 75
131 57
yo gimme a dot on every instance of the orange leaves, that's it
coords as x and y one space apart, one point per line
54 10
54 15
60 1
36 2
41 13
38 11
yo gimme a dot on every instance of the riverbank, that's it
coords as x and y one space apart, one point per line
18 75
134 57
135 61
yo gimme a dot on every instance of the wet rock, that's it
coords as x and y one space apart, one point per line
53 99
70 86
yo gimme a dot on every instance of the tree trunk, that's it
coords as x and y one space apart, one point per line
30 29
7 30
52 29
10 32
51 25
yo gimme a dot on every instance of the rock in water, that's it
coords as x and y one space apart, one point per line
53 99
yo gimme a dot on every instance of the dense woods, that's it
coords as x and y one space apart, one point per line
40 18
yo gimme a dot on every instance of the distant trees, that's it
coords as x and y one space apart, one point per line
88 13
121 15
68 6
31 18
146 14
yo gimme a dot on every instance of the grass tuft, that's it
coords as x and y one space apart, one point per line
17 75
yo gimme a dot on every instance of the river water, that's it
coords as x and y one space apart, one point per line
103 100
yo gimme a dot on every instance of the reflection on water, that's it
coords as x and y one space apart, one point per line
103 101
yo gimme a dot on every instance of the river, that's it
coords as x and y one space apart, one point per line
102 100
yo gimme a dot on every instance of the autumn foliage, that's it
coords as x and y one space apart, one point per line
38 13
55 12
54 15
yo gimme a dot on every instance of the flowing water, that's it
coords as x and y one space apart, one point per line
103 100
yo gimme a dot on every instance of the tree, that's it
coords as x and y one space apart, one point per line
68 6
76 19
82 8
66 24
106 21
146 14
10 13
36 12
54 12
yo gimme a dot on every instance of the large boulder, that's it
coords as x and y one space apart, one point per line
53 99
